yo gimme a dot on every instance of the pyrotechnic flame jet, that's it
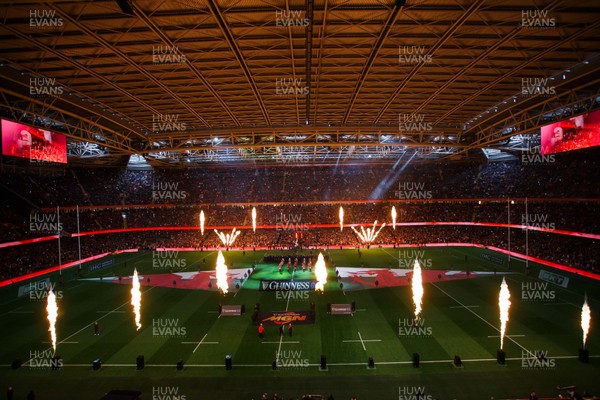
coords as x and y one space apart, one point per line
368 236
586 318
394 217
202 222
504 303
52 310
417 288
228 238
341 215
253 219
136 298
320 273
221 270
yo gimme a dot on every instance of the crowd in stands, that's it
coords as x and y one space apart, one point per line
223 194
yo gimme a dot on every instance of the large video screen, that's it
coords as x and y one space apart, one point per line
36 144
574 133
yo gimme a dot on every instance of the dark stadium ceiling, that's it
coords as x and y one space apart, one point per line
310 81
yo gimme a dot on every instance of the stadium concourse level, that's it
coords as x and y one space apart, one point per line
428 186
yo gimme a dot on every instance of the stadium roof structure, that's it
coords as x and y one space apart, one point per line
191 82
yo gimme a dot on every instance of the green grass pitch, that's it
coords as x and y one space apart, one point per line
458 318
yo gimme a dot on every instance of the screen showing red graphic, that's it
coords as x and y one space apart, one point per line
36 144
574 133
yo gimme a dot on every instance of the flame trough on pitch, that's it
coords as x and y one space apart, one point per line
136 298
417 288
52 309
504 303
221 270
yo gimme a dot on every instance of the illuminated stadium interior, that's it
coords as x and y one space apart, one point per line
316 199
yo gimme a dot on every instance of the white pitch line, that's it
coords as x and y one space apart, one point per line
199 343
280 342
286 308
464 306
362 341
92 323
507 336
316 365
111 312
477 315
62 342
